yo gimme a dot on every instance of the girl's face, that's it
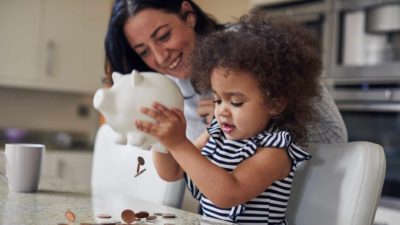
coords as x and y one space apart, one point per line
240 107
163 40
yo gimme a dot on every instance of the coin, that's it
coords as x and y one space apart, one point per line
152 217
169 216
140 163
142 214
70 216
140 172
103 216
140 160
158 214
128 216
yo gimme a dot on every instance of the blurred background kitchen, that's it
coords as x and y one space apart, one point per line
51 63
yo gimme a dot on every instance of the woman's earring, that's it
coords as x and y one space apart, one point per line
191 18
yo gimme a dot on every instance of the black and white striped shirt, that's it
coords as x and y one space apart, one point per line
270 206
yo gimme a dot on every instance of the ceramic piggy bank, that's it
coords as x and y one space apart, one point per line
121 103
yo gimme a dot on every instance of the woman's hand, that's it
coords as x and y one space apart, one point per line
205 109
170 125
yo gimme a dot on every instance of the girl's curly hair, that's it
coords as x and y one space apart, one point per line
282 55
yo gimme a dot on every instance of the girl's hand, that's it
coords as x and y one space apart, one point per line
205 109
170 125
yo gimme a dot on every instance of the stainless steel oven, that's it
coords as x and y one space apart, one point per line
371 112
366 39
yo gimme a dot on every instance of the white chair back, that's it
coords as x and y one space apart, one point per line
340 185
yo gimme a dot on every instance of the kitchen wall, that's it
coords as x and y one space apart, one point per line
45 111
224 10
33 109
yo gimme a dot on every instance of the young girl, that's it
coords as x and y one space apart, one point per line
264 73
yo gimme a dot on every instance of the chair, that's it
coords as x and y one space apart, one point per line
114 169
340 185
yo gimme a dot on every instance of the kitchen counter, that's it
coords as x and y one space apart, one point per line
54 198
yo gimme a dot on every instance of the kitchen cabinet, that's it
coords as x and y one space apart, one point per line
53 44
73 167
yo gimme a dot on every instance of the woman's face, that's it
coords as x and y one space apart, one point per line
163 40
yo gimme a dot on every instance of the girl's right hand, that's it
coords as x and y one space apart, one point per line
170 125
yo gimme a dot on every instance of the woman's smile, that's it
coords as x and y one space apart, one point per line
176 62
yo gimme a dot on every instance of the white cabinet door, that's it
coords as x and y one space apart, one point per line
71 167
53 44
74 32
20 29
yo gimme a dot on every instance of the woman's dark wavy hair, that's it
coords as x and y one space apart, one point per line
283 56
120 56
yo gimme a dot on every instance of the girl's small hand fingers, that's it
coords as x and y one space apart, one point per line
179 114
150 112
166 112
153 113
142 126
149 128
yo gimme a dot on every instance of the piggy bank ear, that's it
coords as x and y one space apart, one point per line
137 78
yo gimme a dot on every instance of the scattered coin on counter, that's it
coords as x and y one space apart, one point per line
128 216
142 214
70 216
169 216
158 214
104 216
152 217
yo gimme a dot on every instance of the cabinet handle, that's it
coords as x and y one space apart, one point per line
51 50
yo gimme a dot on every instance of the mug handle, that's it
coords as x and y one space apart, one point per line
3 166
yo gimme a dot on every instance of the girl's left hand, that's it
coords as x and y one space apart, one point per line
170 125
205 109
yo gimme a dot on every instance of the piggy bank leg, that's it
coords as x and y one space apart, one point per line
136 139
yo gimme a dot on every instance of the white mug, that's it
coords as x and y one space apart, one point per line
23 165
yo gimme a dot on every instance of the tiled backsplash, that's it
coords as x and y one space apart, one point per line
47 112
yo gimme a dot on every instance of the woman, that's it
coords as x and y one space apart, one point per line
159 35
